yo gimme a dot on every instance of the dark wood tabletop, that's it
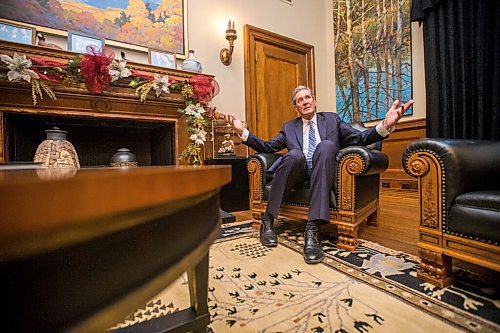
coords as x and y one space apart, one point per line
81 250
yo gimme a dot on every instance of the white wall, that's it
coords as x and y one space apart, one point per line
309 21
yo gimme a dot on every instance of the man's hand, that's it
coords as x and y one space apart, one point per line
395 113
235 123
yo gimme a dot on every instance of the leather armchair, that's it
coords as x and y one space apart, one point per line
459 189
353 199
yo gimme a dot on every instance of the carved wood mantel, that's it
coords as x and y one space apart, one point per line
118 102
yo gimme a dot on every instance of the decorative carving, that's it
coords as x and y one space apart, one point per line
419 167
354 167
252 166
346 203
435 267
347 237
255 178
100 105
429 209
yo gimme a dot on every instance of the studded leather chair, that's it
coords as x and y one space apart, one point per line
459 188
354 197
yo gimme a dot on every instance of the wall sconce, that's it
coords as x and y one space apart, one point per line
226 55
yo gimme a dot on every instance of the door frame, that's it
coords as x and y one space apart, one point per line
252 35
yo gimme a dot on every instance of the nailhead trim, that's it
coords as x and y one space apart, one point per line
443 201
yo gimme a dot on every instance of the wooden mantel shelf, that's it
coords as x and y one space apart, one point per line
119 101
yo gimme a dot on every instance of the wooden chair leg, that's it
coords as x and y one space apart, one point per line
435 268
347 237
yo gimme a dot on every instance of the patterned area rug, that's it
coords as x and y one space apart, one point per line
374 289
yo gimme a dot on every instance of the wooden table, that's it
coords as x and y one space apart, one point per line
78 252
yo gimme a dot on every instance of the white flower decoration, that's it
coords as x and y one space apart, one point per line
118 70
160 84
199 138
19 68
195 110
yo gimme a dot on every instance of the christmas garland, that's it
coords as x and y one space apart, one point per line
98 70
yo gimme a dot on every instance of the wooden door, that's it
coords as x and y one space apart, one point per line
274 66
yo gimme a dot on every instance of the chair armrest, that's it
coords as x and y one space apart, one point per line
372 161
257 166
464 165
266 160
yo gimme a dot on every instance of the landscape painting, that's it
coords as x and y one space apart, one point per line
157 24
372 41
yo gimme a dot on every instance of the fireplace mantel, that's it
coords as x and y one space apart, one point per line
118 102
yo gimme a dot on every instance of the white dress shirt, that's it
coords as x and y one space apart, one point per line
306 125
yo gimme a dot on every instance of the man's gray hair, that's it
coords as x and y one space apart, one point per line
299 89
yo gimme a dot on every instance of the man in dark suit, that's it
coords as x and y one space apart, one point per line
313 140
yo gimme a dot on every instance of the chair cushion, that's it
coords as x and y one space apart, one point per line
477 215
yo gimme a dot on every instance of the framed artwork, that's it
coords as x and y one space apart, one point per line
162 59
155 24
372 57
78 42
16 33
290 2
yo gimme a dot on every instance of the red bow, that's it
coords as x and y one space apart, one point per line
94 68
204 88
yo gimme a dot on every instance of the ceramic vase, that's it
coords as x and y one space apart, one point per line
191 63
123 158
56 151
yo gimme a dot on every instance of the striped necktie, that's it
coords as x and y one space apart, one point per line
312 144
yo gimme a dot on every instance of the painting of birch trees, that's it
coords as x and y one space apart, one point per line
372 57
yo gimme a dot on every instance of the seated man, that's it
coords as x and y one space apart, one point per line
313 141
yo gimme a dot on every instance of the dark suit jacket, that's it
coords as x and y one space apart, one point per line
330 127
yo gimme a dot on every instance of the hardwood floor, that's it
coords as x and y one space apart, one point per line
397 226
398 222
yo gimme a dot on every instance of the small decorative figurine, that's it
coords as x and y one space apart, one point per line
41 42
227 146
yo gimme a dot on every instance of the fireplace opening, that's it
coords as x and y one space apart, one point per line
95 139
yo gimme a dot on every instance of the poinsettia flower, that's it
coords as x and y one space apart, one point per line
118 70
160 84
195 110
19 68
199 138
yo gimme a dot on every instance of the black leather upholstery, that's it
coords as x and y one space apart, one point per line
476 214
471 185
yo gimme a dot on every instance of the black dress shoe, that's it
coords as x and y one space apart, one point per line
267 234
313 251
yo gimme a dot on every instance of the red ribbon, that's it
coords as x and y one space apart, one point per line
142 75
94 68
205 88
51 76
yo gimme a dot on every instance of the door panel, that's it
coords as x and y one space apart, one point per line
274 66
278 71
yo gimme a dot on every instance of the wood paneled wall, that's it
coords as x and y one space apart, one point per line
395 178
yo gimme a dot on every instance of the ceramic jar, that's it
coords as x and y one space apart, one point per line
191 63
123 158
56 151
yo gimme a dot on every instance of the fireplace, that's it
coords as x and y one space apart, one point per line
97 125
95 140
